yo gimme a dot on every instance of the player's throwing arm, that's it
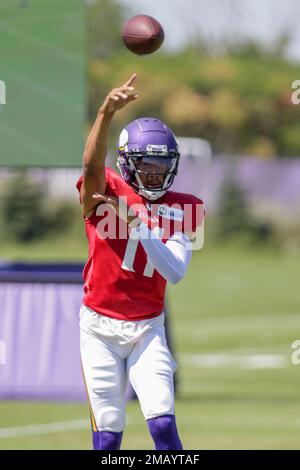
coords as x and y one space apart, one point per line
96 145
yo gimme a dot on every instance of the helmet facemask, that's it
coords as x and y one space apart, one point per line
150 174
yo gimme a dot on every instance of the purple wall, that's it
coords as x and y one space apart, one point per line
39 325
274 180
277 181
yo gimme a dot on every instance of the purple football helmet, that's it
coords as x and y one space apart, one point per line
148 157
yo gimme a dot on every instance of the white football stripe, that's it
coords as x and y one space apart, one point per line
253 361
46 428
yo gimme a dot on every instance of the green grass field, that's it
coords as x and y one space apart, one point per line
43 65
234 318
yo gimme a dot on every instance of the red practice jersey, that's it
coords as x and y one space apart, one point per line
119 282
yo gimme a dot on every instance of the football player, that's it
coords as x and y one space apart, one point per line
121 317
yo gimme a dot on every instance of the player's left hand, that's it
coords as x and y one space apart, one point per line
121 209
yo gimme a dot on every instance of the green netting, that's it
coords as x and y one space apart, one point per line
42 64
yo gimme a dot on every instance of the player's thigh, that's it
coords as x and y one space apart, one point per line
104 373
151 370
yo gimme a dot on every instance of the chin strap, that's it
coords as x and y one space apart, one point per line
151 195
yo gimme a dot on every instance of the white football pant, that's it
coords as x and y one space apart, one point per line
113 351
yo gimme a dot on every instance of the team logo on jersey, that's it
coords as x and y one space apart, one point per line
170 213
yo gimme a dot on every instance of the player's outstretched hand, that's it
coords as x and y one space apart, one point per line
119 97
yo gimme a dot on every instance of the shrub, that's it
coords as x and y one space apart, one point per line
27 215
234 217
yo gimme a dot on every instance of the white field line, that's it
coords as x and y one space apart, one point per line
252 361
47 428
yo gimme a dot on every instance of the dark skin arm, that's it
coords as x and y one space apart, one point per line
95 150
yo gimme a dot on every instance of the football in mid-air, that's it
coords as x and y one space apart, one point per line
143 34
